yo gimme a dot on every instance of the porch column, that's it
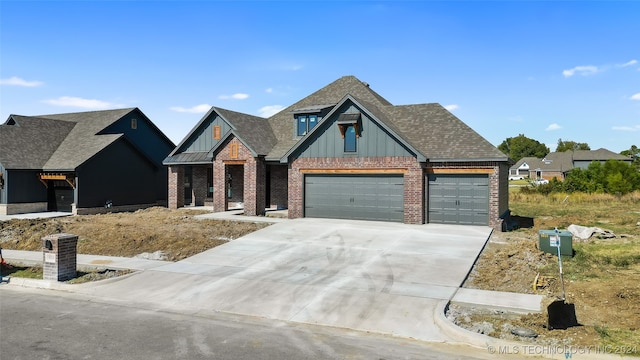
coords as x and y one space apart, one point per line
176 187
255 178
219 186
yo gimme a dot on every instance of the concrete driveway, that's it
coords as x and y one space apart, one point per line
371 276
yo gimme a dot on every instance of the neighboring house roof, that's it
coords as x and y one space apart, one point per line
62 142
432 131
27 143
564 161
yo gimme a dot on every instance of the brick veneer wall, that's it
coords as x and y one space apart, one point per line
413 180
498 185
254 178
176 187
199 184
279 186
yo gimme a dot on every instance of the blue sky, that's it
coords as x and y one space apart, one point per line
545 69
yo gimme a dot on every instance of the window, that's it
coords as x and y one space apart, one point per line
350 139
134 124
305 123
216 132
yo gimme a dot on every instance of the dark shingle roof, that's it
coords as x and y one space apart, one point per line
599 154
188 158
441 136
30 141
282 122
59 142
253 130
83 141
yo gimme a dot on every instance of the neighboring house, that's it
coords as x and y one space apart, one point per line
343 152
558 164
82 162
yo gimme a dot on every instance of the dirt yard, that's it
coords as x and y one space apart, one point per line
602 280
175 234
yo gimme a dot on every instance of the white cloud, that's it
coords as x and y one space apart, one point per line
581 70
269 110
71 101
451 107
635 96
237 96
552 127
198 109
16 81
626 128
628 63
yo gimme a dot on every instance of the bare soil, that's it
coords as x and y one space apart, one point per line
602 280
174 233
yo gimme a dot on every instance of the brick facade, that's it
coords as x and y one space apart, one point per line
253 180
278 187
413 180
199 185
176 187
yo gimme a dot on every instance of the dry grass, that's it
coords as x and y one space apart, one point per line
602 279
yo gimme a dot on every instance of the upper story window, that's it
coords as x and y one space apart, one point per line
216 132
134 124
350 143
306 123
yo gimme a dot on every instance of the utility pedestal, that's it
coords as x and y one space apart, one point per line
59 255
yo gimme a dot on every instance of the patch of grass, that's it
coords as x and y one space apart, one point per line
616 341
29 272
82 276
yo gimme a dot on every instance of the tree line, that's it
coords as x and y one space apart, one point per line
614 177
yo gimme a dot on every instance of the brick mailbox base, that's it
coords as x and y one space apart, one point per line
59 256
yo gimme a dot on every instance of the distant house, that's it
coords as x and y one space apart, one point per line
558 164
82 163
343 152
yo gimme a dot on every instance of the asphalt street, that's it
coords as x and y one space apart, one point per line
45 324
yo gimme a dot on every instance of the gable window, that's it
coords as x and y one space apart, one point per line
216 132
350 144
134 124
305 123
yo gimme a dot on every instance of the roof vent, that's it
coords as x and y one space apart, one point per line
365 84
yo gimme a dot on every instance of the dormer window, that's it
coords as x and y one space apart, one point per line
305 123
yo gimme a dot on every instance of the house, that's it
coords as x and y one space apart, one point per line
343 152
558 164
82 162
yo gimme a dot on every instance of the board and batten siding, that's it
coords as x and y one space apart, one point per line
202 139
374 141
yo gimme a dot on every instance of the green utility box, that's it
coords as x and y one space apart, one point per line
546 240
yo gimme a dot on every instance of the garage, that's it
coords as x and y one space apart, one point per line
458 199
357 197
60 196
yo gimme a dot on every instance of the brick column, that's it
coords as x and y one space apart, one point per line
219 186
59 256
254 187
176 187
199 185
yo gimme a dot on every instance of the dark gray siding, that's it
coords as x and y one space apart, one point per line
327 141
148 140
107 177
24 187
202 138
3 189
